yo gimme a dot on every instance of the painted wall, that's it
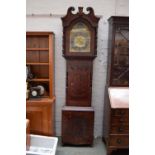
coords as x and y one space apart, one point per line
39 19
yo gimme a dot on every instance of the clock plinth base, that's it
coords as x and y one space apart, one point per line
77 125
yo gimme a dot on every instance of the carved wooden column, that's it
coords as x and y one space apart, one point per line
79 50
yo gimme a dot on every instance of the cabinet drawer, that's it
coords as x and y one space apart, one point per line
120 112
121 140
120 129
119 120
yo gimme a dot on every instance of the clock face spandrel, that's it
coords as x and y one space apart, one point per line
79 38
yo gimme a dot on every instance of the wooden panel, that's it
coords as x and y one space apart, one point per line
43 41
37 41
37 56
44 56
51 66
77 127
107 116
35 114
32 56
39 71
40 118
27 134
32 42
79 83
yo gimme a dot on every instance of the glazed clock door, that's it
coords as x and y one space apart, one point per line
79 83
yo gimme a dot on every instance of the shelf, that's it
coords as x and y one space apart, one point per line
36 63
39 80
37 49
42 101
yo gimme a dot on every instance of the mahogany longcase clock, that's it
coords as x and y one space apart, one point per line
79 49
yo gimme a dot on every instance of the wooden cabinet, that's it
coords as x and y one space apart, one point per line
116 119
40 61
118 54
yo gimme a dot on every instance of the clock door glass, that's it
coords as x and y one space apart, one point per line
80 38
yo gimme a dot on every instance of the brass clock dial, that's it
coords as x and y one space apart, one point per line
80 41
80 38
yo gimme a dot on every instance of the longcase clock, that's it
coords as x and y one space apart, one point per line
79 50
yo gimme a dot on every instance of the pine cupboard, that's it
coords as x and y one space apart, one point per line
40 60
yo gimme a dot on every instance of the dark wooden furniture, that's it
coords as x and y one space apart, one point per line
78 123
116 119
115 132
79 50
39 58
118 54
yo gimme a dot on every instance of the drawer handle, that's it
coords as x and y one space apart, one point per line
119 141
120 129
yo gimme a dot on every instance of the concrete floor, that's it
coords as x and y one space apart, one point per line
97 149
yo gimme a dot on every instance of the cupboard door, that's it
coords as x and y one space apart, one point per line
39 117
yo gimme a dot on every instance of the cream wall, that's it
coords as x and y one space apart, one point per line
39 19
